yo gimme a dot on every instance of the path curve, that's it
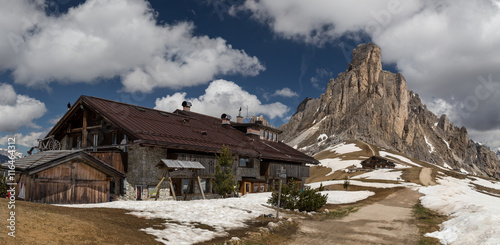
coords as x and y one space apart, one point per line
425 177
386 222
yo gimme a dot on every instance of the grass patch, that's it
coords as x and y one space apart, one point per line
337 213
427 221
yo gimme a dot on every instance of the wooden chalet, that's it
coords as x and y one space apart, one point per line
133 140
375 162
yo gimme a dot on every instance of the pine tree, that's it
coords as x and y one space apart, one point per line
224 176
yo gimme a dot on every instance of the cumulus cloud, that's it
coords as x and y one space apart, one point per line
223 96
103 39
445 49
28 140
18 110
285 92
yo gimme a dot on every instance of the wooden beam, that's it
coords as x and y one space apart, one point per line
157 188
171 186
199 184
76 130
84 129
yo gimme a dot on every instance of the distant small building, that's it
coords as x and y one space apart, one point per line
375 162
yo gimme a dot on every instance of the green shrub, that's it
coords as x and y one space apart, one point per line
293 198
224 183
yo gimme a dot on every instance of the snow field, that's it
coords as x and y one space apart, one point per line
221 214
401 158
474 217
383 174
339 164
342 148
342 197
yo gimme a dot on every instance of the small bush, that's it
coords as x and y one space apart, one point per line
294 198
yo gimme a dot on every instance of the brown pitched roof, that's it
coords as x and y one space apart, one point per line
184 130
47 159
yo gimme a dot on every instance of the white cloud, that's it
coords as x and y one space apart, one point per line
113 38
28 140
320 21
223 97
18 110
285 92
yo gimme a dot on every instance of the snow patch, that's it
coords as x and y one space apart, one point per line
381 174
181 217
342 197
447 144
474 216
338 164
464 171
322 137
342 148
401 158
487 183
429 144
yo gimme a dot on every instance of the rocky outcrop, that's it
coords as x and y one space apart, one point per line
370 104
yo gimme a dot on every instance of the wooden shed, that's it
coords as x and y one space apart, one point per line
377 162
66 177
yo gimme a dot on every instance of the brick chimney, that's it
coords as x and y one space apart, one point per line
186 106
239 119
226 119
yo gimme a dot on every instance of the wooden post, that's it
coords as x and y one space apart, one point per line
157 188
84 129
199 184
171 185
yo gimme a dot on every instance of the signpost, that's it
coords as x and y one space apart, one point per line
282 174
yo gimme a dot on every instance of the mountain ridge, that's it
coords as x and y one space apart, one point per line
369 104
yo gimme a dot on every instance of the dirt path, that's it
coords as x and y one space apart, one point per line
386 222
425 177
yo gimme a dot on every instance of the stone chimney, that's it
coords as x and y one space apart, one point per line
239 119
226 119
186 106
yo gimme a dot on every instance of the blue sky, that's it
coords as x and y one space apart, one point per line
266 55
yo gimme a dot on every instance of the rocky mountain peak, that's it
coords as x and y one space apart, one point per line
369 104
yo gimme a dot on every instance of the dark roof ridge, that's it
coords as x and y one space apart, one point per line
123 103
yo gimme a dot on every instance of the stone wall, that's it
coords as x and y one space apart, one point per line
240 172
142 171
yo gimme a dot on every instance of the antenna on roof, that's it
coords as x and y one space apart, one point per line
239 112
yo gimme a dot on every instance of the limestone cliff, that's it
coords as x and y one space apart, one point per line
373 105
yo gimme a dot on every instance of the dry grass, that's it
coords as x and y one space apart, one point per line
427 221
48 224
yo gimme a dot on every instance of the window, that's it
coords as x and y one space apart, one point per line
70 145
266 135
78 142
115 138
275 137
185 185
95 141
245 162
205 184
